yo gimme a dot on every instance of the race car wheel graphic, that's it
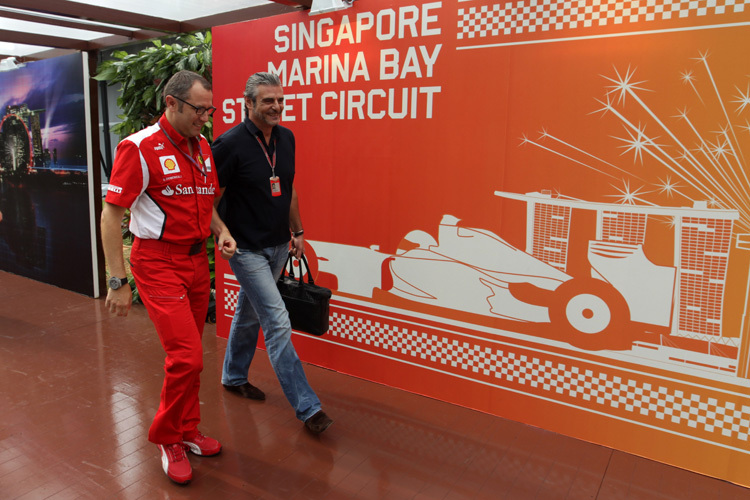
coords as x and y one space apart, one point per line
588 313
591 314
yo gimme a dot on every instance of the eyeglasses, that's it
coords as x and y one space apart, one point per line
199 110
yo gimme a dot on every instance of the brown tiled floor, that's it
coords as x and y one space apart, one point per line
78 389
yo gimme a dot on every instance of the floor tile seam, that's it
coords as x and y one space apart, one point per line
404 488
87 479
60 397
415 465
7 297
574 481
604 474
351 470
310 481
124 396
520 454
70 487
429 485
139 418
40 487
454 489
365 486
16 287
444 435
150 487
137 434
245 483
122 458
34 444
353 490
39 326
16 469
35 474
486 451
495 472
348 453
306 495
12 457
545 482
399 466
120 413
115 480
123 405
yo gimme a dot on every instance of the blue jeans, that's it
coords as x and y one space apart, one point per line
260 305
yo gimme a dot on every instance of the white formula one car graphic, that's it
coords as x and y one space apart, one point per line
620 294
475 271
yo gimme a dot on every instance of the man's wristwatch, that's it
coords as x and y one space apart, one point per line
115 283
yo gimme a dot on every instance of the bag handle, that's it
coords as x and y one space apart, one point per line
290 269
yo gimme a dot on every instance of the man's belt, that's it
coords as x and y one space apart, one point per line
170 248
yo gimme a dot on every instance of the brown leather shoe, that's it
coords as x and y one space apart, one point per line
246 390
318 422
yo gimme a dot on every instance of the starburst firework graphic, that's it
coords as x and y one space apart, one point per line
687 169
693 165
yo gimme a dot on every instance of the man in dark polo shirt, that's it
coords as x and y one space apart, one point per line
165 175
255 162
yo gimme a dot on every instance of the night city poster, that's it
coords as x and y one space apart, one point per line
45 232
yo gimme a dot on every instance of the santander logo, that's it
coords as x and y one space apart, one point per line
167 191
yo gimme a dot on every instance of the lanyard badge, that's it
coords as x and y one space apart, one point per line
274 179
275 186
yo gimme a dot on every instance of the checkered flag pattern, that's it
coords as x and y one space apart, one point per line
231 294
547 15
666 404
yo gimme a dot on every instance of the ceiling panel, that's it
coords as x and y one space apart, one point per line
33 30
178 10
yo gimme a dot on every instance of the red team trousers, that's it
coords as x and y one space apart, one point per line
175 287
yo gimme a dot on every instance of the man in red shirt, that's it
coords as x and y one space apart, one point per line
165 174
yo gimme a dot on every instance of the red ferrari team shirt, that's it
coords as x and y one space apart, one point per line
170 194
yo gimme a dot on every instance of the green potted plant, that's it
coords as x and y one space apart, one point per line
144 74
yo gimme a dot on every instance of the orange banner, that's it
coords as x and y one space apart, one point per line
539 210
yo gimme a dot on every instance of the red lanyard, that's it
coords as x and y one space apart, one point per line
265 152
200 167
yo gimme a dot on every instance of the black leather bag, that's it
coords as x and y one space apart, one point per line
306 302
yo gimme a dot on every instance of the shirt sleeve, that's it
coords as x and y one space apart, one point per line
212 172
129 175
223 159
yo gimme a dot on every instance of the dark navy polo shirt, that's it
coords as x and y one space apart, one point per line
255 218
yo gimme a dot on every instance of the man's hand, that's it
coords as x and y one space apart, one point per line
298 246
226 245
119 301
224 241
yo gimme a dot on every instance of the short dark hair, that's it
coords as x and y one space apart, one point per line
180 83
262 78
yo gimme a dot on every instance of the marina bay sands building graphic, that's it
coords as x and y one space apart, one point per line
21 146
687 298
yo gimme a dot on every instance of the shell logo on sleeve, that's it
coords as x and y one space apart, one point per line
169 164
